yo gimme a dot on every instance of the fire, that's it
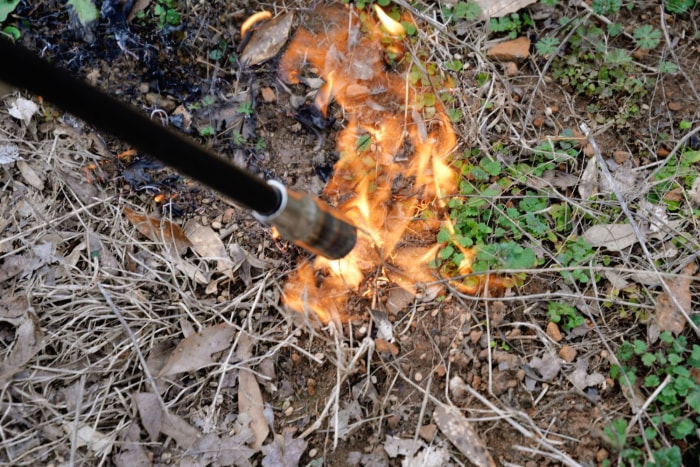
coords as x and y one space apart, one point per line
394 174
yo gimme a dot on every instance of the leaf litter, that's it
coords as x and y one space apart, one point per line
158 300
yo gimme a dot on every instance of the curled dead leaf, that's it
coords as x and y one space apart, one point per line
461 433
160 231
267 40
196 351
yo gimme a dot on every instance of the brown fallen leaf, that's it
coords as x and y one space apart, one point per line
267 40
461 433
132 453
668 317
206 243
195 351
250 399
30 175
159 230
27 342
284 451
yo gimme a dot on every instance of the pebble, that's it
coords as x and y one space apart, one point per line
515 50
601 455
510 69
313 452
216 225
428 432
418 377
554 332
675 106
621 156
568 353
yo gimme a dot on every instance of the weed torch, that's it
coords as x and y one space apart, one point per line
299 217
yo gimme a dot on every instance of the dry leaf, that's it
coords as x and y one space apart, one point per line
29 175
589 179
207 244
461 433
614 237
150 412
250 399
284 451
132 453
159 230
95 440
23 109
499 8
668 317
196 351
13 308
9 153
267 40
580 377
395 446
548 366
27 343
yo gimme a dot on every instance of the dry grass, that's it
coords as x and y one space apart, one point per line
106 308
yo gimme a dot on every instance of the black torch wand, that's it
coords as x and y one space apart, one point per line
300 218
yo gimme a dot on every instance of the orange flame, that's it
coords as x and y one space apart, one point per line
392 26
394 174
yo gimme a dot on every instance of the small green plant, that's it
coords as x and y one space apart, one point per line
675 409
576 253
469 11
679 6
245 108
167 13
7 7
565 315
646 37
511 24
207 131
547 45
679 172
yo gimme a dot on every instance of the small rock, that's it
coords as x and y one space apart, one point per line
621 156
475 335
418 377
382 345
216 225
510 69
268 94
457 387
568 353
427 432
554 332
515 50
440 370
662 152
675 106
538 122
601 455
588 150
392 422
476 382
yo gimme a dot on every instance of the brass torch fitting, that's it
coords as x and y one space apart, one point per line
310 223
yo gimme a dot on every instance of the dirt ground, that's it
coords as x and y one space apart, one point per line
95 316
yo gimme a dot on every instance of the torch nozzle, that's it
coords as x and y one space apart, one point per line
311 224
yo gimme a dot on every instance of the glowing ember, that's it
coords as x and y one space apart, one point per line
248 23
393 175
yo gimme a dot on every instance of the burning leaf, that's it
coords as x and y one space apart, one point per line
460 432
284 451
23 109
267 40
195 351
499 8
206 243
614 237
250 399
159 230
668 317
27 343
